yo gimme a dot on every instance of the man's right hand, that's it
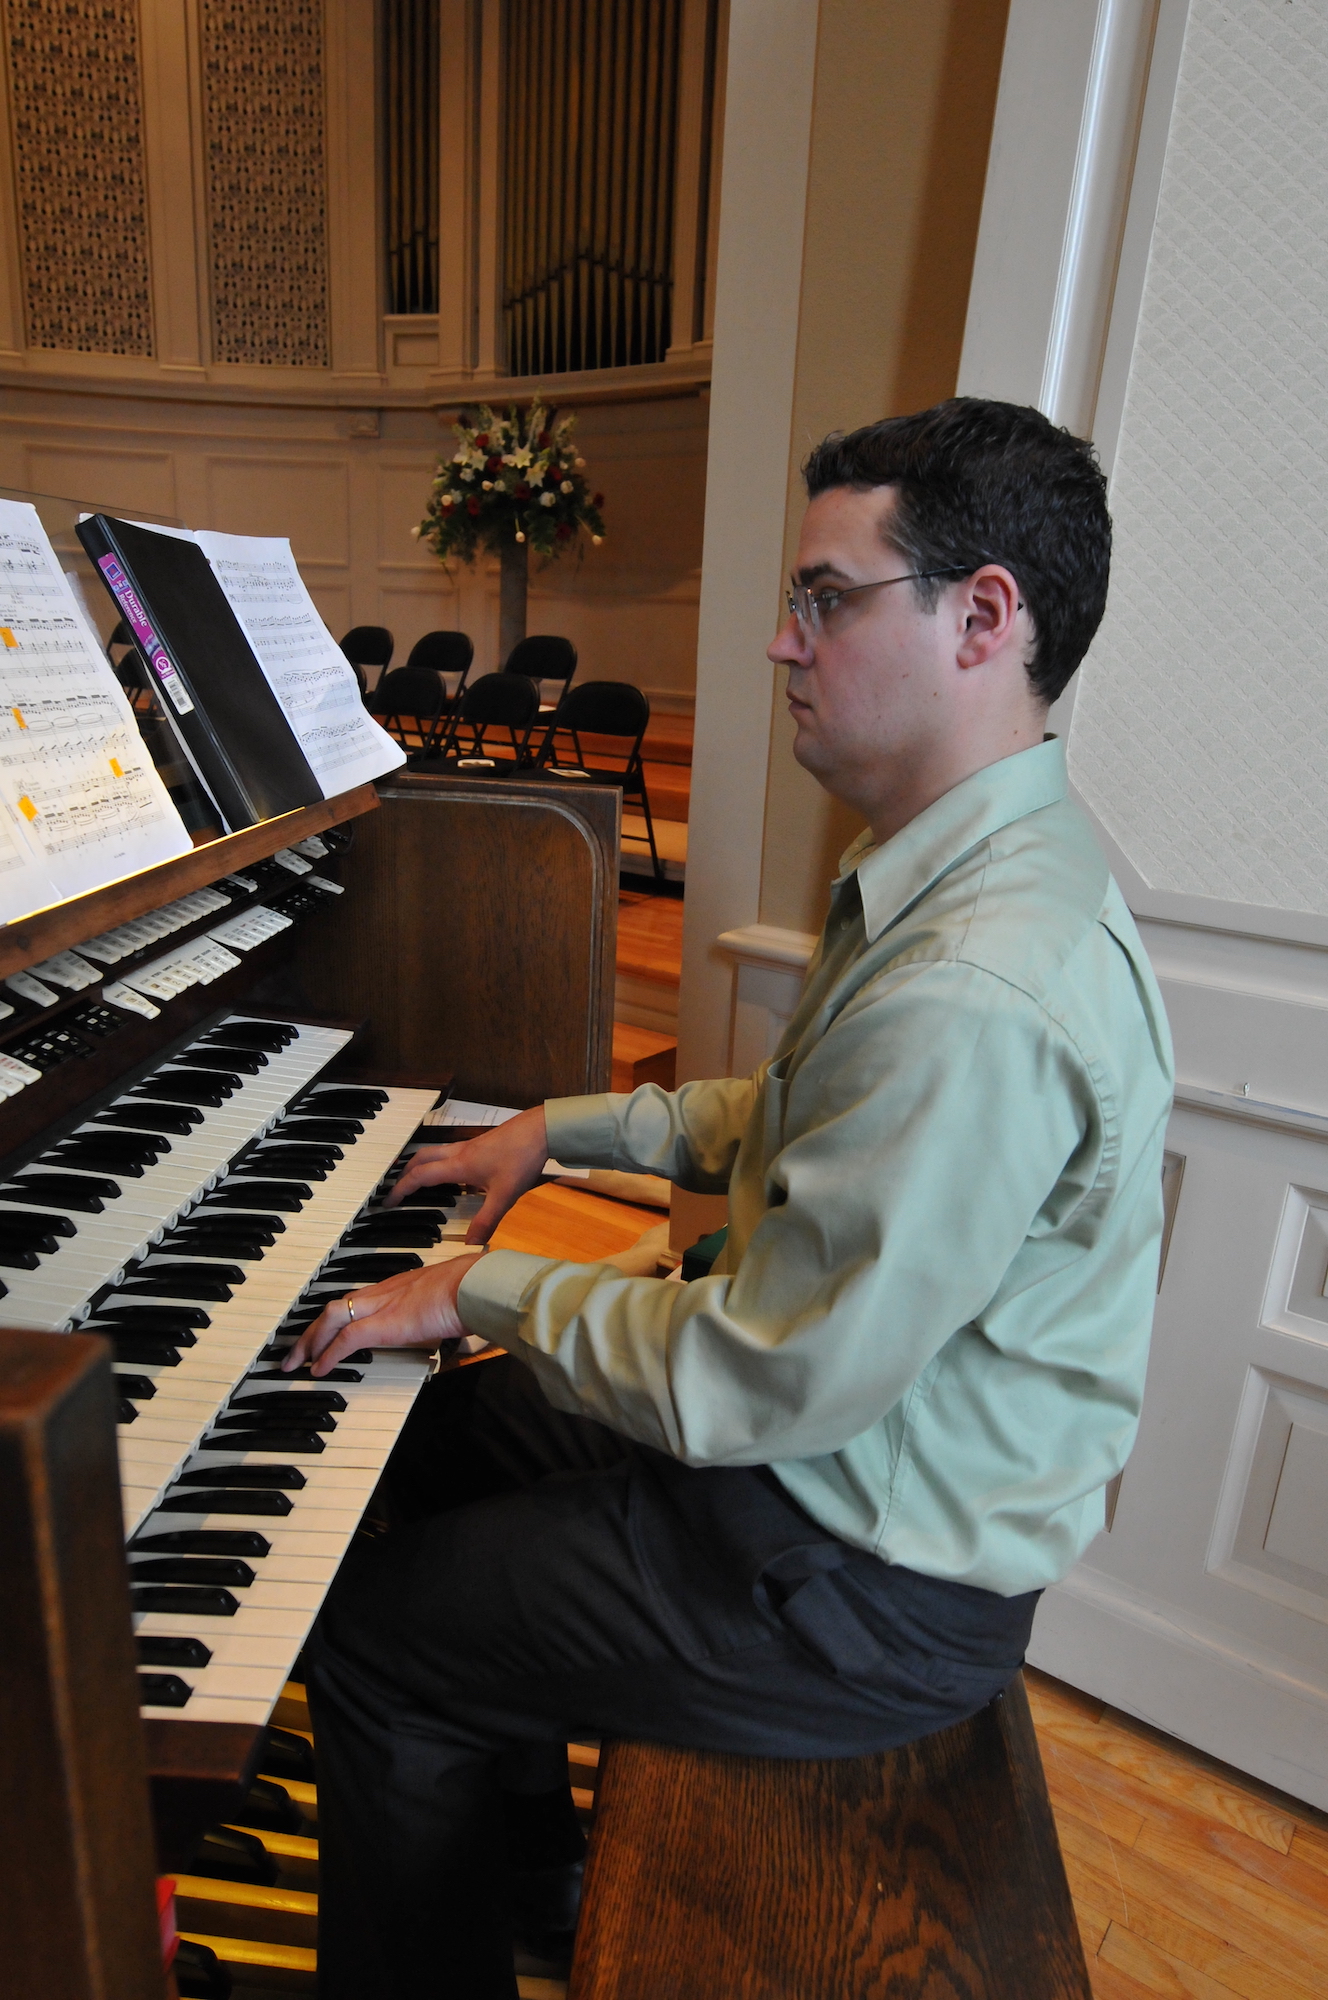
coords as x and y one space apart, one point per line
505 1161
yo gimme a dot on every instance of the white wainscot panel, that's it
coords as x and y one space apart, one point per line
411 610
403 493
124 481
306 499
769 967
1258 1045
333 601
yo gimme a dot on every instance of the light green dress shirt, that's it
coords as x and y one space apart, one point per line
933 1312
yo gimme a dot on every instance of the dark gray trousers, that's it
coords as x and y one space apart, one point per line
548 1579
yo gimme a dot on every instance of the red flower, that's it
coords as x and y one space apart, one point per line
481 440
522 492
544 440
473 505
494 465
564 531
448 506
598 500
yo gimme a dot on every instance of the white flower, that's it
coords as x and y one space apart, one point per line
597 539
520 537
548 499
467 474
415 532
488 486
518 458
566 486
580 464
536 476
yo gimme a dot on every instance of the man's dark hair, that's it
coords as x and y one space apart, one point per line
980 482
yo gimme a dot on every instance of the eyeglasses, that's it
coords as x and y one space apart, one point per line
810 606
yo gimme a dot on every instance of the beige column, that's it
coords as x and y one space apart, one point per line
13 338
848 221
353 227
177 225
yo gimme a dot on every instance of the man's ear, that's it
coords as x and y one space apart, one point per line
991 610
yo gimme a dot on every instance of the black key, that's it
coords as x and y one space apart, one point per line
192 1569
155 1266
408 1234
311 1163
299 1442
43 1240
232 1243
342 1131
286 1755
139 1388
139 1348
444 1193
229 1500
199 1973
288 1476
15 1259
270 1036
225 1854
231 1062
368 1268
199 1221
125 1412
270 1806
179 1120
155 1650
70 1155
84 1193
202 1542
182 1281
306 1375
163 1691
178 1088
190 1600
287 1197
50 1225
173 1320
245 1417
295 1402
140 1149
344 1101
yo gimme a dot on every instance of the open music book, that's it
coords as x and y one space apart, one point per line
263 702
80 801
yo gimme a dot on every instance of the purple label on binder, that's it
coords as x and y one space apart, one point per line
137 619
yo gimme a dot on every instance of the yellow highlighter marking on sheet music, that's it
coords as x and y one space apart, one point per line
17 714
7 636
27 808
116 766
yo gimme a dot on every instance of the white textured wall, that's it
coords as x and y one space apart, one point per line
1200 734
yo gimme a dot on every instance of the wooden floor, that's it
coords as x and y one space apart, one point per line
1190 1880
650 937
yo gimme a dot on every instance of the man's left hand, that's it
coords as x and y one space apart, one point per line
413 1309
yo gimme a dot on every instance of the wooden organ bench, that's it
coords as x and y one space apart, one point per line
932 1872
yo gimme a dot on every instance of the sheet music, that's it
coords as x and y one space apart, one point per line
80 801
308 672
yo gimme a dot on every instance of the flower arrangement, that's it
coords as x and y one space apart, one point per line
512 478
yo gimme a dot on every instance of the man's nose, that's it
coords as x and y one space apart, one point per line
790 646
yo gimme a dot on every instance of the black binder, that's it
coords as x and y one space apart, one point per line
213 692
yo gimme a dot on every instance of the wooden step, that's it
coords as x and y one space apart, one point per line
669 787
641 1056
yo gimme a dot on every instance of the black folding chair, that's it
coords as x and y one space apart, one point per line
409 702
494 701
368 646
447 653
543 657
603 708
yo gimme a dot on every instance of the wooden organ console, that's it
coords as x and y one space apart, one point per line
179 1194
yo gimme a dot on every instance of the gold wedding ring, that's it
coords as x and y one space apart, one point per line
350 1306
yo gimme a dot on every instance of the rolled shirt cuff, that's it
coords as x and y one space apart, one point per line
489 1296
583 1131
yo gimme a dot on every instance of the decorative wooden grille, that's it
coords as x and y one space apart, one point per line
78 153
590 114
410 126
266 180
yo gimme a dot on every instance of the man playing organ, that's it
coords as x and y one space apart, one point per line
803 1506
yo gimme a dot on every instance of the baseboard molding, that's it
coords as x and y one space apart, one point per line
1254 1711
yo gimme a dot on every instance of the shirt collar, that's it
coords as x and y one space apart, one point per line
895 874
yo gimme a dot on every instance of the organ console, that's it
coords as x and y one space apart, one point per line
189 1183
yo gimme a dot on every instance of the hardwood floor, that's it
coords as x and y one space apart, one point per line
650 937
1189 1879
